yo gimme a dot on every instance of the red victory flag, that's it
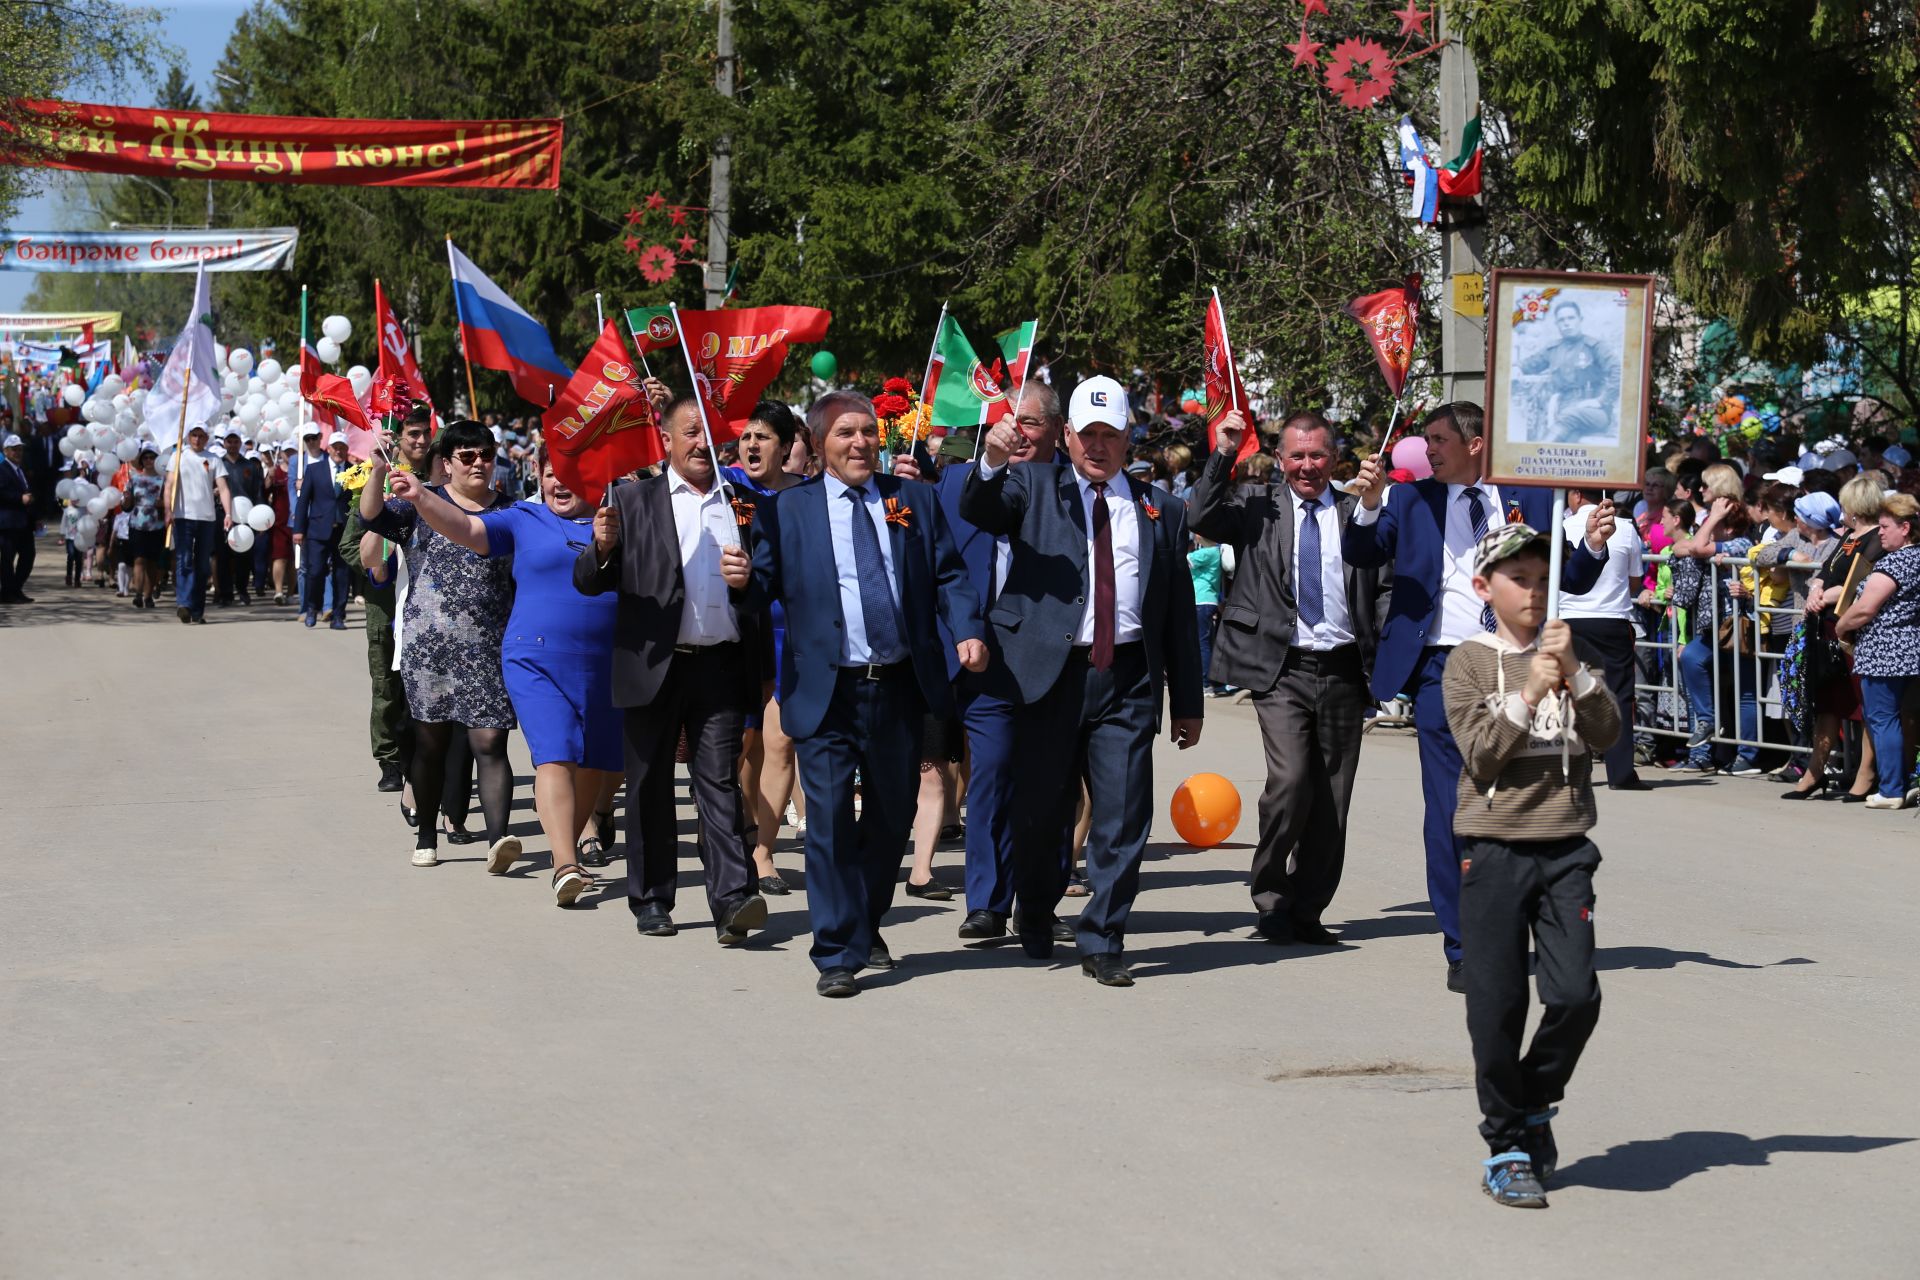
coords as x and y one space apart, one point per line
1389 318
1225 392
602 426
331 395
736 355
398 370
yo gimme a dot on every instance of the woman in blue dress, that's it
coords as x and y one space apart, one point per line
556 653
766 760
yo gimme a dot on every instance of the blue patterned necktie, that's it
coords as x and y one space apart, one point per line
1477 513
1309 588
876 597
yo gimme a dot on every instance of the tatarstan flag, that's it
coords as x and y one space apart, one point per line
1016 347
960 392
652 328
602 426
1461 175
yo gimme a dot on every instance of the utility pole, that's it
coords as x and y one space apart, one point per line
720 193
1463 292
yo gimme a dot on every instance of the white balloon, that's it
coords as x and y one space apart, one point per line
256 387
270 371
248 415
125 422
63 490
113 496
73 395
260 519
67 446
240 537
241 505
328 350
240 362
103 436
86 530
337 328
220 354
90 410
127 450
290 399
359 373
97 507
227 401
111 386
121 401
233 384
139 399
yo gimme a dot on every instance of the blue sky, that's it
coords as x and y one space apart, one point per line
200 29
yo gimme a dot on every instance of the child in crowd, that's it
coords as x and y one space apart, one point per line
1527 716
70 513
1203 562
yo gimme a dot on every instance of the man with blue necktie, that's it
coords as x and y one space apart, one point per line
861 562
1427 530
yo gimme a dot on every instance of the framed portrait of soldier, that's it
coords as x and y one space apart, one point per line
1569 378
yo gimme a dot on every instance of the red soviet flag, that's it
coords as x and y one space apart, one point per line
602 426
736 355
1225 392
398 371
1389 317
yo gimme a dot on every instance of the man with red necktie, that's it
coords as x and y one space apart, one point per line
1095 616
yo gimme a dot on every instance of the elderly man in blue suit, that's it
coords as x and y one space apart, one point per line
861 562
1095 618
1427 530
318 512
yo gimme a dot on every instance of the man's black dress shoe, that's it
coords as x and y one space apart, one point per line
1107 969
1456 980
653 921
1314 934
880 957
1275 927
982 925
1038 946
932 891
748 914
837 984
389 777
1631 784
1059 930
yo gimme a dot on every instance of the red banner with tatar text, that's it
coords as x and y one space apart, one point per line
522 155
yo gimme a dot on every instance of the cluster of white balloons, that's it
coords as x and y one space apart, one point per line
334 332
95 502
262 398
250 519
105 437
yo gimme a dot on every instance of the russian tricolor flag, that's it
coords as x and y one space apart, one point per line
498 334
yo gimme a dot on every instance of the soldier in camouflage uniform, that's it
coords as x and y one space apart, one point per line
388 723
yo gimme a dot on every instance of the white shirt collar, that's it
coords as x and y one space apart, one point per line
677 483
1116 485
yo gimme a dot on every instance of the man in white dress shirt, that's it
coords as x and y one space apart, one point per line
1297 631
1602 624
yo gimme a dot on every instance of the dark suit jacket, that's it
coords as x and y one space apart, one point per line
646 571
974 545
793 563
1036 619
1411 533
15 515
1258 616
321 508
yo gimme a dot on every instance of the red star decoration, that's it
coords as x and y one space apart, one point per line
1313 7
679 215
655 201
687 244
633 217
1303 51
1412 21
632 245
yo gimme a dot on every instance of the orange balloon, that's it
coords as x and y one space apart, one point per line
1206 809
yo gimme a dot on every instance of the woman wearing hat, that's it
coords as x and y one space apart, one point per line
146 524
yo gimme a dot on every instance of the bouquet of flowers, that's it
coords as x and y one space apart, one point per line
904 421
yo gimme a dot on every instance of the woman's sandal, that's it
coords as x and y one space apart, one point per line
459 835
591 852
569 881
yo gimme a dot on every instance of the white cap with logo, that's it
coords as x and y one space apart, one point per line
1098 400
338 437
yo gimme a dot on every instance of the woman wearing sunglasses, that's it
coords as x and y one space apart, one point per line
557 657
454 621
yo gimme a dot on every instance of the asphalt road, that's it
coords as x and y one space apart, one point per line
244 1037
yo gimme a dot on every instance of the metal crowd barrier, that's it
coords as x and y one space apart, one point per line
1661 708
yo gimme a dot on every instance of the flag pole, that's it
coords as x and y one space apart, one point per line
179 444
599 316
473 397
706 427
1233 370
638 346
932 349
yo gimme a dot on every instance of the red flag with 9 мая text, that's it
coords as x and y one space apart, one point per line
1389 317
736 355
1225 392
602 426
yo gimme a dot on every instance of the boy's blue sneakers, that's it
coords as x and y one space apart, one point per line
1541 1148
1510 1180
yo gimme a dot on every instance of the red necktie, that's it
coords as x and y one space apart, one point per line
1102 581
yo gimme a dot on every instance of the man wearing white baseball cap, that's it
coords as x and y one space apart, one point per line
1096 615
16 523
318 512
